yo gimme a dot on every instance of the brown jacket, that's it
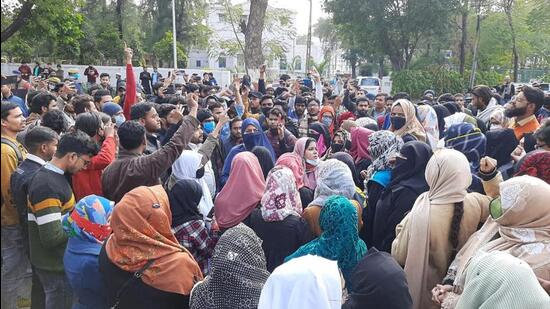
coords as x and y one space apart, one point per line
131 170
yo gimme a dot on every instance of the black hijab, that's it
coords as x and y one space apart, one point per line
452 107
184 199
317 129
441 112
265 159
378 282
410 172
500 145
348 160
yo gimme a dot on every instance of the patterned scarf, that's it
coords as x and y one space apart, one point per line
281 198
469 140
383 145
92 209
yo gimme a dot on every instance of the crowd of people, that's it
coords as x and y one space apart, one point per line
173 192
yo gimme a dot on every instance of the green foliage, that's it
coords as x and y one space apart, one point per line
163 50
415 82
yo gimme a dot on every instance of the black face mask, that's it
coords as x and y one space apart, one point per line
397 122
200 173
337 147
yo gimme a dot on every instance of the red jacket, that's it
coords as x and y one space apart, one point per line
88 180
131 96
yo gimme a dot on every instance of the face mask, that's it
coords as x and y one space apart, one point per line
495 127
208 127
200 173
265 110
119 120
252 139
313 162
337 147
397 122
326 121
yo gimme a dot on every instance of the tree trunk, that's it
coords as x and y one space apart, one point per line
463 38
253 55
353 64
19 21
515 58
381 67
119 4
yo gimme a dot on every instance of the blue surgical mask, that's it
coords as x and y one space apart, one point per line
208 127
119 119
397 122
326 121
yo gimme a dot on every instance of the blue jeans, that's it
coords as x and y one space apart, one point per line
59 294
16 269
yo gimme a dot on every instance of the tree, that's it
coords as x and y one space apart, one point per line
508 6
253 53
163 51
21 19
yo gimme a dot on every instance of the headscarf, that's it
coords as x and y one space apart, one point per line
339 240
295 164
257 139
469 140
281 197
264 158
523 227
328 109
410 172
300 150
442 113
89 220
306 282
242 192
378 282
237 275
184 198
363 122
500 145
348 160
485 115
141 224
500 280
383 145
412 125
360 143
536 164
498 117
321 134
186 166
428 118
333 178
344 135
448 177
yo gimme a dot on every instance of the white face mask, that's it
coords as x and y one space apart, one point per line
495 127
119 119
313 162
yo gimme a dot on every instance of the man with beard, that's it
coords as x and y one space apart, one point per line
147 116
235 137
523 109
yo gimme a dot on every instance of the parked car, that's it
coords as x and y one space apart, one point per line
370 84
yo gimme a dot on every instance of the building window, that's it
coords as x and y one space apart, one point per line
222 62
298 63
282 64
198 64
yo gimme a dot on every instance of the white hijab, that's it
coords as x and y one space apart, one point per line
306 282
186 166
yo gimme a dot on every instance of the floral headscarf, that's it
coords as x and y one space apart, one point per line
339 240
89 219
281 197
383 145
333 178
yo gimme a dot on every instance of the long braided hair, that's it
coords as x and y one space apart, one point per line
458 213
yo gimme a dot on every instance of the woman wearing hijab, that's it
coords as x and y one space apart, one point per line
340 142
378 282
348 160
242 192
519 225
187 222
189 165
306 149
264 157
404 123
408 182
306 282
327 116
87 227
500 280
500 145
253 135
499 120
360 148
296 165
469 140
278 221
383 147
333 178
442 113
322 136
440 222
238 273
143 243
339 240
428 118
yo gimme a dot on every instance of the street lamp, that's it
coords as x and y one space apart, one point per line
308 48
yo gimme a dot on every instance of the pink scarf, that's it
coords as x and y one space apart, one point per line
360 143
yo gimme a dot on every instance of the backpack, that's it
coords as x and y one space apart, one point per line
15 148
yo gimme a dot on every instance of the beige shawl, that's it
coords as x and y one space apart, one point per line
524 228
412 125
448 176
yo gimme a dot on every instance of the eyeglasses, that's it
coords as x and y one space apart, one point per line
86 162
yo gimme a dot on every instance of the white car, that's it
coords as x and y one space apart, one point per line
370 84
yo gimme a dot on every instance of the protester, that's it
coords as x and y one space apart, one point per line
235 136
8 96
523 109
536 164
238 272
143 242
305 282
428 118
483 100
264 158
281 139
404 122
40 104
320 132
87 227
360 148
